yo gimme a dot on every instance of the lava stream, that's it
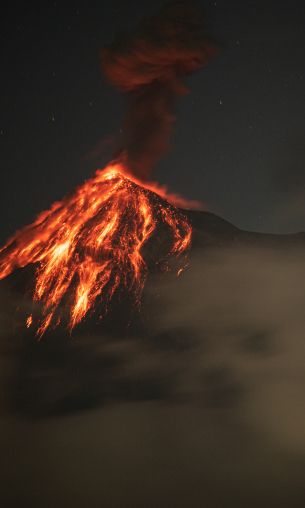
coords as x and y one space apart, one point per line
90 243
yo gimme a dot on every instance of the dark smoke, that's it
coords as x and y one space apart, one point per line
149 66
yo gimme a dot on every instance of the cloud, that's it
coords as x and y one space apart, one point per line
244 312
201 403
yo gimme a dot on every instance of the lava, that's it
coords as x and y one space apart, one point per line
90 244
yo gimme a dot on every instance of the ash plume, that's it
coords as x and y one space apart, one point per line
149 65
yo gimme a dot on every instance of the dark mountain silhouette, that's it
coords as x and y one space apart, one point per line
212 230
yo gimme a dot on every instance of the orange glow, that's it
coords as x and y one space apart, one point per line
90 243
29 322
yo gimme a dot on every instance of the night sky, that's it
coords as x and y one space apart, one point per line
238 141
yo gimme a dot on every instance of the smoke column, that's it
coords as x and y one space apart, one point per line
149 67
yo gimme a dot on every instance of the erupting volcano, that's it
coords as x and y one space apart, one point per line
90 244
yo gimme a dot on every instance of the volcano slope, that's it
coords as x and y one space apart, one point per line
217 246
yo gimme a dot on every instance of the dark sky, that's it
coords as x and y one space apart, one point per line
238 142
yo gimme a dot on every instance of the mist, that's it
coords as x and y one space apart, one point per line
203 403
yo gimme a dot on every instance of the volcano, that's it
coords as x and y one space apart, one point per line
171 241
90 244
104 240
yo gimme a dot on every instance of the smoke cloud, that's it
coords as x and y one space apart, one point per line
149 66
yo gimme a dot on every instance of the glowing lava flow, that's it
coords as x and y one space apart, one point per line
89 244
